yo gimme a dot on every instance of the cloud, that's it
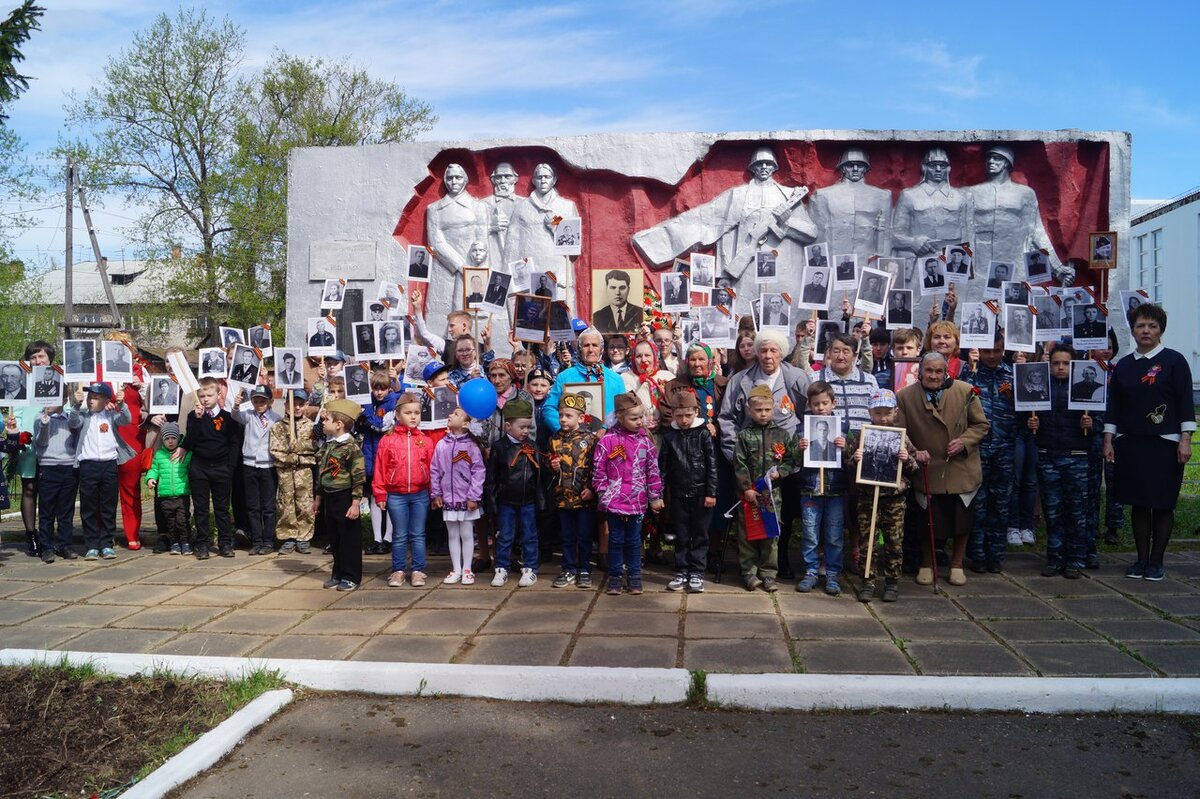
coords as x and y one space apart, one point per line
460 124
1148 109
946 72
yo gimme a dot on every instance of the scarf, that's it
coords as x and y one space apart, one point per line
651 385
704 383
592 372
935 395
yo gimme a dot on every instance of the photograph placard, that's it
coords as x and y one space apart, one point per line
1089 387
826 330
978 326
1018 328
1015 292
880 464
333 294
79 360
815 289
436 410
1033 386
714 327
958 263
1037 267
676 292
246 366
766 266
774 314
366 340
214 362
933 277
593 416
817 254
617 300
999 273
321 341
414 367
1089 327
531 317
164 395
496 295
872 291
419 261
822 433
118 362
1047 324
899 309
289 371
1131 299
845 272
568 236
1103 247
474 286
261 339
704 271
391 339
358 383
560 328
905 372
45 389
231 336
14 388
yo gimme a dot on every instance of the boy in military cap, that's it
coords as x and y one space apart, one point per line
688 463
514 473
341 474
571 460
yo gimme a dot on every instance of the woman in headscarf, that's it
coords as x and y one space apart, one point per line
647 378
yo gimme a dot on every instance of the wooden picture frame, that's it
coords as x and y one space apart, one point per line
1102 250
880 464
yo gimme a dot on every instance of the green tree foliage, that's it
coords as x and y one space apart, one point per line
15 31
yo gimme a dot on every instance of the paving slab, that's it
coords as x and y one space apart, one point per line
852 657
1135 630
959 657
989 586
535 620
516 650
1092 608
837 628
740 602
1186 606
1041 630
625 651
464 621
292 599
218 595
750 656
732 625
86 615
255 577
137 594
206 644
61 591
410 648
344 622
166 617
470 596
10 587
1060 587
926 606
937 630
256 622
374 598
37 637
108 639
553 599
1176 660
318 647
656 602
182 575
1171 585
1008 607
792 604
13 612
1081 660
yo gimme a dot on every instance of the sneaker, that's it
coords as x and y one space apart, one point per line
1072 574
1050 570
1014 537
678 582
468 577
995 568
303 547
395 580
668 538
108 553
751 581
453 578
614 587
583 580
769 585
185 549
287 547
417 579
866 591
528 578
1112 537
563 580
225 551
1093 562
66 553
177 549
201 553
332 582
346 585
1155 573
47 556
257 549
807 583
635 587
696 584
500 577
1027 537
891 591
831 586
1136 571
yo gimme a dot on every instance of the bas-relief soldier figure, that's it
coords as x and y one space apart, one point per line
731 220
531 227
1005 218
851 215
452 224
500 207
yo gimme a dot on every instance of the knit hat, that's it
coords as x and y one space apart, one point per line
882 398
685 399
626 402
517 409
169 430
345 407
762 391
575 402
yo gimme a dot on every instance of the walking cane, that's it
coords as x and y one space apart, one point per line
719 568
932 538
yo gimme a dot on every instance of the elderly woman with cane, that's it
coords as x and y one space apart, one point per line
945 422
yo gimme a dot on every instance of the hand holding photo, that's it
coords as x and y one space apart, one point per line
822 433
418 263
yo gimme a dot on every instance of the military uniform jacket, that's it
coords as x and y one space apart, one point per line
341 468
760 449
291 454
574 451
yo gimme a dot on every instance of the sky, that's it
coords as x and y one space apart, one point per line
494 69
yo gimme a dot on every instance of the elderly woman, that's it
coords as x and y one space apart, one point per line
1148 436
852 386
647 377
945 422
704 379
502 374
589 369
788 384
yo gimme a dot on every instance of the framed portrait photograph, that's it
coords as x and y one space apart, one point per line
231 336
1089 327
214 362
815 289
414 366
593 417
321 339
1047 323
895 271
872 291
289 368
999 273
560 328
568 236
714 327
419 263
495 296
704 271
1018 328
845 272
1103 247
164 395
774 313
617 300
474 285
817 254
958 263
79 360
45 387
905 372
390 339
822 432
1015 292
676 292
531 316
1089 387
260 338
14 389
978 326
880 464
118 362
245 366
826 330
444 401
933 276
366 340
333 293
358 383
1033 386
1037 266
899 309
766 266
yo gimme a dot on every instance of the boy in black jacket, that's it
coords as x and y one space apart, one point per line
212 439
687 461
514 471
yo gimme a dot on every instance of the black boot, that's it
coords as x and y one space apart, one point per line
32 548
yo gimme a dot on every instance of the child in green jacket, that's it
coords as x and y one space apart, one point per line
169 479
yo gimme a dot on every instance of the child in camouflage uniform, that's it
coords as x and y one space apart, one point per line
294 458
889 516
762 448
341 474
571 460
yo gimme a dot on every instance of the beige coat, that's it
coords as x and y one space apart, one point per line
960 416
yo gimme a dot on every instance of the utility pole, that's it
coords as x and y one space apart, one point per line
69 310
69 322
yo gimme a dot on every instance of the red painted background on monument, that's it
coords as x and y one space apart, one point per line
1070 178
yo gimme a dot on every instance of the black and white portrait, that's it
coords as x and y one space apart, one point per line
79 360
676 292
418 262
260 339
321 340
894 267
213 362
815 289
714 326
1046 324
999 273
817 254
560 328
45 386
118 362
231 336
880 464
845 272
568 236
164 395
593 392
872 291
824 335
722 295
1131 299
822 433
774 313
1104 250
616 300
958 263
531 315
1089 327
704 270
521 272
1018 328
358 383
414 367
1033 386
544 285
496 294
1037 266
1015 292
766 264
333 293
12 382
899 309
933 277
474 285
443 404
978 326
246 365
1089 386
390 340
366 340
289 372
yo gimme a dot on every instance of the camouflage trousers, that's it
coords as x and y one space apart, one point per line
294 511
889 522
1063 484
988 534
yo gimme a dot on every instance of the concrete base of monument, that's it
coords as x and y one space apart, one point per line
650 686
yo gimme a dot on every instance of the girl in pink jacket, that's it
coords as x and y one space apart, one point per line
626 480
456 477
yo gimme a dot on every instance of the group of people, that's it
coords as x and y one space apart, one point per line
614 443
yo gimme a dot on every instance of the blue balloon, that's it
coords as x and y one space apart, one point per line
478 398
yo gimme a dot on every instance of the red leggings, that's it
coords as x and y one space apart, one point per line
129 481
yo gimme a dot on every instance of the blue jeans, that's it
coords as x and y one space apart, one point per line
1024 492
407 513
624 547
507 518
823 519
576 525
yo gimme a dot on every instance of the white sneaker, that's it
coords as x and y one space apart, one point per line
452 578
468 578
678 583
528 578
396 580
1027 537
1014 537
500 577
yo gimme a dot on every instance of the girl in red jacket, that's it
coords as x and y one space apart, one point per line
401 487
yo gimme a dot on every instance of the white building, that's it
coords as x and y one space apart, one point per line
1164 259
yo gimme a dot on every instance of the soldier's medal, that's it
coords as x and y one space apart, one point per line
1158 414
